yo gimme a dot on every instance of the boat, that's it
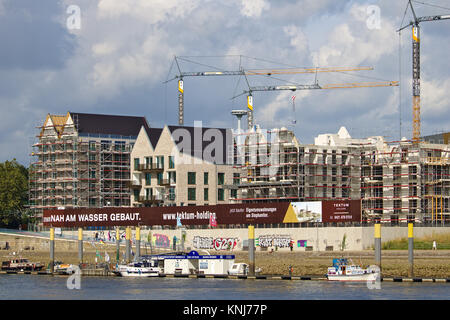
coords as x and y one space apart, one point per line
146 268
21 264
342 270
65 268
241 269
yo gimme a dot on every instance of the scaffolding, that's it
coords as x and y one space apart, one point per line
395 180
72 171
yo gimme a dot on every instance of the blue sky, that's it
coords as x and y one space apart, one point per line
116 62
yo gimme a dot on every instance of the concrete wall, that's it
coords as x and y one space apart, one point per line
357 238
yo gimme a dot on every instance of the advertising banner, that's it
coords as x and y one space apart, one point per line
341 211
251 213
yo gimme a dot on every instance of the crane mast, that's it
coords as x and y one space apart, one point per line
416 66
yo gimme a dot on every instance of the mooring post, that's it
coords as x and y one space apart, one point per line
80 245
378 242
138 242
128 244
251 250
117 245
52 249
411 247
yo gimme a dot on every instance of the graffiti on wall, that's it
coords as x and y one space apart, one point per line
301 243
215 243
280 241
161 241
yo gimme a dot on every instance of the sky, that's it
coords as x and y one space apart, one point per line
115 57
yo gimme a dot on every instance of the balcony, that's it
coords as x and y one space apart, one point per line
148 167
134 184
150 199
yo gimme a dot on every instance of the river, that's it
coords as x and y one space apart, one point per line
38 287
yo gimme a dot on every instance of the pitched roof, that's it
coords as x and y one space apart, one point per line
153 134
226 141
108 124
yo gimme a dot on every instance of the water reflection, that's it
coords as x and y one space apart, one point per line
92 288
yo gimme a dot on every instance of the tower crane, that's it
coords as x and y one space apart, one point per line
248 72
309 87
416 65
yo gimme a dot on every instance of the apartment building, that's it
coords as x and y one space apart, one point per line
82 160
180 165
393 180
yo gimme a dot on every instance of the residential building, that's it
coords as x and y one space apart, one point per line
393 180
180 165
82 160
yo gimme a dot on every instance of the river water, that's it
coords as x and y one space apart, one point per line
31 287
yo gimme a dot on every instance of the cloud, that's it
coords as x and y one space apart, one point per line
117 62
254 8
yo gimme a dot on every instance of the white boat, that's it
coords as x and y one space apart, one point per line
241 269
343 271
139 269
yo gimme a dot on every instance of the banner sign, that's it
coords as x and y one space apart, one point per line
251 213
341 211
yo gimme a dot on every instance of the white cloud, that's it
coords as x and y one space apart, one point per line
297 38
253 8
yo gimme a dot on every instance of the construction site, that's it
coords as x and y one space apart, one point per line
84 160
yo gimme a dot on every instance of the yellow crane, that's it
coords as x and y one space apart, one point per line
416 65
248 72
309 87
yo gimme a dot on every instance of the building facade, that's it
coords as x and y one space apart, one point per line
82 161
178 166
393 180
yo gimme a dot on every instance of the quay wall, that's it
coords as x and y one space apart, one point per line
304 239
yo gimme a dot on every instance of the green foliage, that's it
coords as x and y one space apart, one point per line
425 243
13 193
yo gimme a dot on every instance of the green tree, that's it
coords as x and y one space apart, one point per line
13 193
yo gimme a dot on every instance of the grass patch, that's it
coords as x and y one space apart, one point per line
424 243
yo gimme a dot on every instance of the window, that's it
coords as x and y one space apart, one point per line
136 163
220 194
206 194
136 194
160 162
191 178
92 146
172 175
205 178
234 193
171 162
148 193
159 178
220 178
236 178
191 194
148 179
148 162
172 193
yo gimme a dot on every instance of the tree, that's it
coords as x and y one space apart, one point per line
13 193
